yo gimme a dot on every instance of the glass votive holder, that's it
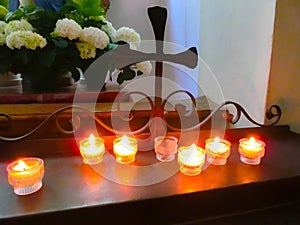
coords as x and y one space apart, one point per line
251 150
217 151
191 159
125 149
165 148
26 175
92 150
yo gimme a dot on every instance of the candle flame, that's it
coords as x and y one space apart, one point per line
21 166
125 139
193 148
217 140
252 141
92 140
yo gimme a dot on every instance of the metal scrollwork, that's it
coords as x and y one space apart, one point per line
189 58
7 124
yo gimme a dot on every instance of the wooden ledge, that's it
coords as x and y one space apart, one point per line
74 193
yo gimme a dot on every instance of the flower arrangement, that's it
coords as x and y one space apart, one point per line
45 44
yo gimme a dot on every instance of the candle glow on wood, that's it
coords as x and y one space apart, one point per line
251 150
191 159
26 175
92 150
217 150
125 149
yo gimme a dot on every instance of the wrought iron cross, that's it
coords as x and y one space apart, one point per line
126 56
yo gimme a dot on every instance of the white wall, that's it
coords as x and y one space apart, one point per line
236 43
235 40
285 66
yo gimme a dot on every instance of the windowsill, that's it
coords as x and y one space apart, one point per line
73 192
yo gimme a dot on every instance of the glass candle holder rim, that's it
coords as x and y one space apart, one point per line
167 137
86 141
198 148
262 143
224 141
158 142
131 140
10 166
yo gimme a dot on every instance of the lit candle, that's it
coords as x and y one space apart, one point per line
125 149
92 150
251 150
217 151
26 175
191 159
165 148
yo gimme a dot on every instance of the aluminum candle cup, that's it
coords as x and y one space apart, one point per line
165 148
191 159
26 175
217 151
92 150
251 150
125 149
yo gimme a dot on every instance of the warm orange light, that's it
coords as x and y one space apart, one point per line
252 144
191 159
92 149
217 150
125 149
26 175
251 150
21 166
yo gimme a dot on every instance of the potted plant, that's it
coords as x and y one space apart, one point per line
44 45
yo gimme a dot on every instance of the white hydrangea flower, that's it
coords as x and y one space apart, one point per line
144 67
17 25
2 33
2 39
27 39
128 35
95 37
87 50
2 27
109 30
67 28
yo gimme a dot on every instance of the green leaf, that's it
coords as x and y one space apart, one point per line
60 42
128 74
4 3
87 7
3 12
120 78
111 46
16 15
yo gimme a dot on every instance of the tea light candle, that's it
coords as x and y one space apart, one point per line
251 150
26 175
191 159
125 149
165 148
217 151
92 150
